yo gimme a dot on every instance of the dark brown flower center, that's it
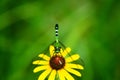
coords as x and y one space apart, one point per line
57 62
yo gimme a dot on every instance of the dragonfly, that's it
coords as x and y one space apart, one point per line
58 63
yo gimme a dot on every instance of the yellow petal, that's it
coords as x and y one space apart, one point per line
66 51
44 74
61 75
76 66
72 58
40 62
52 75
67 75
51 49
40 68
45 57
73 71
61 50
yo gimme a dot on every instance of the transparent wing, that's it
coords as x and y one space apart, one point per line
42 57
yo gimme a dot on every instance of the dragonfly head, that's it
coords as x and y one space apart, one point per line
57 49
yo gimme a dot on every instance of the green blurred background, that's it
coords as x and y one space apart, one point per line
90 27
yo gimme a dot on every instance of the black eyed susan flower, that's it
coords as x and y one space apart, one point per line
58 65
